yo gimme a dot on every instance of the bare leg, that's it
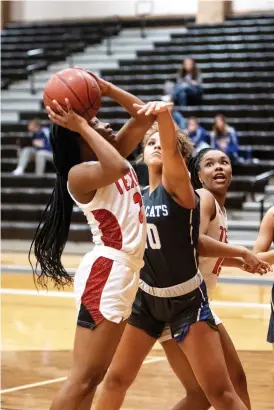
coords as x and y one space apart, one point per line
195 398
93 352
234 366
203 349
132 350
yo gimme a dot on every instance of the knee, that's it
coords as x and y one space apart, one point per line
40 154
117 381
85 383
219 394
197 400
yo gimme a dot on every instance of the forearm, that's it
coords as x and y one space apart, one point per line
107 155
266 256
211 248
124 98
233 262
167 131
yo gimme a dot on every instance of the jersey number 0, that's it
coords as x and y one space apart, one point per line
153 239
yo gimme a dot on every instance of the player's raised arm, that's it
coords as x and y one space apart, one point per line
175 176
110 165
132 133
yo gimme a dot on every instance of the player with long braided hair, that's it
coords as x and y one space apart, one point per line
91 171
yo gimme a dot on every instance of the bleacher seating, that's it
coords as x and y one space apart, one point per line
237 62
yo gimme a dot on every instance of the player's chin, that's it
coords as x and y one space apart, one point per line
219 186
155 161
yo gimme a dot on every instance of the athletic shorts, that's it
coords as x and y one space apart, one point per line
166 334
270 334
160 316
104 289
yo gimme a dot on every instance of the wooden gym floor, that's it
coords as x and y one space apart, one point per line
38 331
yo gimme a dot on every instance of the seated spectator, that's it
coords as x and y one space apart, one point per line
40 150
224 137
198 135
187 89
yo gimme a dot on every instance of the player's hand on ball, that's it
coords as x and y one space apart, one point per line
66 118
103 84
153 107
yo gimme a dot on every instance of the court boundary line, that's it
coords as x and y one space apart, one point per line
226 279
152 359
70 295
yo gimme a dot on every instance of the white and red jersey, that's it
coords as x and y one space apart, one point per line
117 221
211 267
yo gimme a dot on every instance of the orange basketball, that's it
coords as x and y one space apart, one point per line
79 87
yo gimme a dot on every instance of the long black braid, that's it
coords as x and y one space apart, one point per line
52 232
194 167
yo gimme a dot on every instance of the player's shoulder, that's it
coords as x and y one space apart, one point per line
207 202
205 195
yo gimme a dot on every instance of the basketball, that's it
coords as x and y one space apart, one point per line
79 87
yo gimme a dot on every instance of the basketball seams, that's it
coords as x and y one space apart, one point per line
87 87
81 90
71 89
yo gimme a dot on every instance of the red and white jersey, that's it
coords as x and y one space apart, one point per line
117 221
211 267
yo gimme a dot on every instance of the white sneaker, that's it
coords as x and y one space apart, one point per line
18 171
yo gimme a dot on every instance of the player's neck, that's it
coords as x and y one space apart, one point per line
220 198
155 179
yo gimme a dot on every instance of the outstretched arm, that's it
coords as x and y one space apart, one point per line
133 132
212 248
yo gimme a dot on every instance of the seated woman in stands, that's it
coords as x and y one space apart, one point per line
188 87
224 138
40 151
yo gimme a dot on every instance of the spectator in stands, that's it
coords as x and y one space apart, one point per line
198 135
224 137
40 150
187 89
179 119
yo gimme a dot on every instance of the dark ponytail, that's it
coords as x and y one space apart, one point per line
194 167
52 232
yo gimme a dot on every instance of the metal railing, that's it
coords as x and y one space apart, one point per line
143 9
261 200
32 67
110 26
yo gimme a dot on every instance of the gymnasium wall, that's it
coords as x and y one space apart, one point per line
55 10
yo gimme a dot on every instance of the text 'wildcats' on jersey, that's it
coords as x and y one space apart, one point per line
171 254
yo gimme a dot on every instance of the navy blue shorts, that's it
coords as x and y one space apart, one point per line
153 314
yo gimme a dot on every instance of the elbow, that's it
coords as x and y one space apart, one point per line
122 169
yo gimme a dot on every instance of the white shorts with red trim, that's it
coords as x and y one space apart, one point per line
104 289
